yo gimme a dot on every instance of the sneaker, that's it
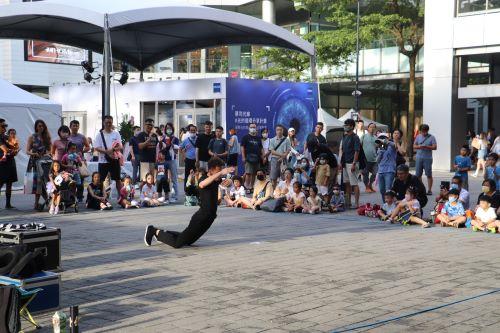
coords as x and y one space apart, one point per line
149 234
474 228
56 210
429 192
492 230
427 225
51 210
172 200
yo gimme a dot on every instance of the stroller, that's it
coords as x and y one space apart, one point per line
67 189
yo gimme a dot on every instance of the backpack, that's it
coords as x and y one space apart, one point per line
10 321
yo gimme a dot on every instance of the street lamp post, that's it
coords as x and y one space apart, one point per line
357 93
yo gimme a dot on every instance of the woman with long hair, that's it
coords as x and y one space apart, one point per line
39 145
169 145
9 147
399 141
481 154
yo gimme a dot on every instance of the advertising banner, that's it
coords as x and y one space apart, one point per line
55 53
269 103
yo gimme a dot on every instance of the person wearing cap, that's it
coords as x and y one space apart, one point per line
349 160
453 212
424 144
386 159
370 150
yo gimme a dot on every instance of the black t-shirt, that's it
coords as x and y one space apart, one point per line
313 143
148 153
252 145
400 188
495 199
209 196
202 143
3 142
350 145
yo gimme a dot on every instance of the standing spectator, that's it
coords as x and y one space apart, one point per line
135 154
496 146
9 147
462 165
360 128
60 146
82 147
398 139
481 154
314 140
188 146
234 149
264 136
386 158
103 144
349 160
491 137
404 180
147 142
424 144
294 144
252 154
169 146
370 150
493 169
202 155
217 147
279 148
38 146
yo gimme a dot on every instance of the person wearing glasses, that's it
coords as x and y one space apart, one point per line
147 142
106 142
8 150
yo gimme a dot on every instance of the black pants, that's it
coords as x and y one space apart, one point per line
189 165
199 224
162 185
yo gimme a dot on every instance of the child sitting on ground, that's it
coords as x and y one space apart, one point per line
485 216
162 182
127 194
192 188
234 194
453 212
149 196
337 202
97 198
71 161
408 210
388 206
313 203
295 201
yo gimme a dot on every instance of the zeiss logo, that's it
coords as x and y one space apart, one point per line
217 87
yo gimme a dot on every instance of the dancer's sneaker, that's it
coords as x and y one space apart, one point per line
149 234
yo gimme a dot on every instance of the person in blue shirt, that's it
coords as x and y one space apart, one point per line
188 146
386 159
462 165
453 212
493 169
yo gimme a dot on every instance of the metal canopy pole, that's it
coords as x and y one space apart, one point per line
106 75
356 91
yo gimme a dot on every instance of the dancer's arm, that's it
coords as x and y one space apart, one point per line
210 179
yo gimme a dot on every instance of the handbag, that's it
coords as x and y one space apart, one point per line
273 205
108 158
28 182
84 170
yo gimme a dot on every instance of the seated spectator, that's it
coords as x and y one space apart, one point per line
492 170
127 194
488 189
236 192
192 181
285 186
389 205
453 212
441 199
313 203
485 216
263 191
337 202
405 180
295 200
322 171
462 166
162 179
464 196
149 196
303 172
97 198
408 211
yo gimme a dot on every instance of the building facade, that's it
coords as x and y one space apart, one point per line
462 72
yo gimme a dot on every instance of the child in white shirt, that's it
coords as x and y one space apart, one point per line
296 200
313 203
388 206
486 217
234 194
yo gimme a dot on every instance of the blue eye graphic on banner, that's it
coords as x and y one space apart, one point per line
269 103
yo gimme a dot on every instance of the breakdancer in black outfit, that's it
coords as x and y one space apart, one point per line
204 217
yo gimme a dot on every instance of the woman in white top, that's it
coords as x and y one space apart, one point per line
294 143
285 186
481 154
264 136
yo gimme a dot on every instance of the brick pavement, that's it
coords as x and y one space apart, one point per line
262 272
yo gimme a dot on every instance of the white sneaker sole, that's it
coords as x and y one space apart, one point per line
146 233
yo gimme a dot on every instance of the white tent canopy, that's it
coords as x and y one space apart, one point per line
367 121
142 32
329 121
20 109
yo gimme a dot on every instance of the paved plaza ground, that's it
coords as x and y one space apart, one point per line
263 272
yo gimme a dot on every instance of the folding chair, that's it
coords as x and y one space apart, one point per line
26 298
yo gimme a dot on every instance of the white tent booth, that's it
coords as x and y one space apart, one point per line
20 109
367 121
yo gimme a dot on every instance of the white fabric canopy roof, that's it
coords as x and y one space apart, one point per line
142 32
329 121
21 109
367 121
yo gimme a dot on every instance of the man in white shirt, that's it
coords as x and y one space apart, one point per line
108 163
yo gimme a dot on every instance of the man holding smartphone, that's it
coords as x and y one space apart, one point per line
147 142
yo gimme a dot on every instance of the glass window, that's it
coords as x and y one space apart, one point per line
148 111
204 103
493 4
181 63
165 112
218 117
467 6
217 60
201 119
404 64
390 60
195 61
371 61
184 105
